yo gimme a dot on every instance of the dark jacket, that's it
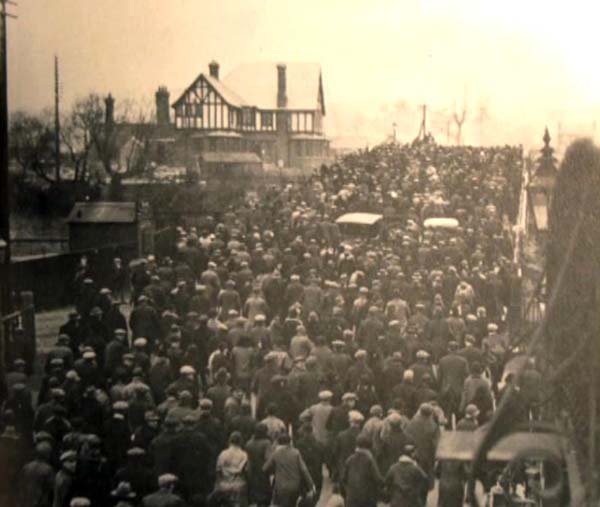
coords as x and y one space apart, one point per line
162 499
36 484
361 480
406 484
259 486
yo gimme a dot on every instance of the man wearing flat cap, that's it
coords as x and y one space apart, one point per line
145 321
165 495
36 479
64 480
188 381
425 433
361 478
338 419
345 442
193 458
406 482
61 350
114 351
137 472
453 369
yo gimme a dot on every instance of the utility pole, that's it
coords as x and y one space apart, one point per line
423 128
56 121
5 292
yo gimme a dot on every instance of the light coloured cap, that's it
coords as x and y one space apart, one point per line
355 416
260 318
492 327
338 343
422 354
166 480
120 405
80 501
348 396
68 456
89 354
394 323
294 278
325 395
140 342
120 332
360 354
105 291
136 451
408 374
376 410
206 403
187 370
363 290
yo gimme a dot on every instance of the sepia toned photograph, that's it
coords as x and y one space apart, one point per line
299 253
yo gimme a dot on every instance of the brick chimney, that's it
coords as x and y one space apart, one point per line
162 106
281 86
213 68
109 111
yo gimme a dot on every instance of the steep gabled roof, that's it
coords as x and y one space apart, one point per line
228 95
257 82
255 85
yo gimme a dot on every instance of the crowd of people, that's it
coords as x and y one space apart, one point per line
272 351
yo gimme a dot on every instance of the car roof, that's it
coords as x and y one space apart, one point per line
359 218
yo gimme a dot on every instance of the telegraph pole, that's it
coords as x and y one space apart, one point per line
56 120
5 293
423 127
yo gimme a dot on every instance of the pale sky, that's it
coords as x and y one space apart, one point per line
518 65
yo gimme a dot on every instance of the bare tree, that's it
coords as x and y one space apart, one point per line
459 120
31 143
120 146
76 139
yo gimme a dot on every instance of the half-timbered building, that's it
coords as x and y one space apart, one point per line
267 112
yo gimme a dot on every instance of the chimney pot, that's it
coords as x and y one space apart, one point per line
109 112
281 85
162 106
213 68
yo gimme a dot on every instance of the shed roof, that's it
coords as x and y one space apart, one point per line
102 213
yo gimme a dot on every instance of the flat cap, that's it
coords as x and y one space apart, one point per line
166 480
355 416
325 395
68 456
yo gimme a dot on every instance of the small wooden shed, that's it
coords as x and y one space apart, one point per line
102 224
